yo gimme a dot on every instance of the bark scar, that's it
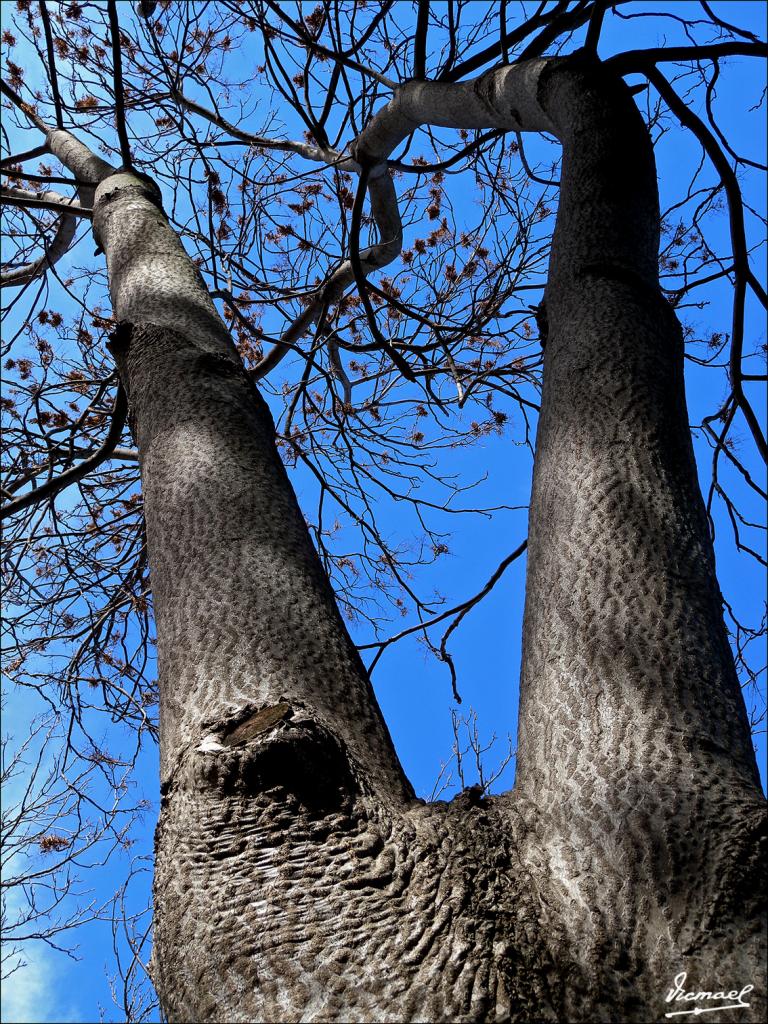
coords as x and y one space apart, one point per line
219 365
257 723
542 322
483 89
300 761
119 341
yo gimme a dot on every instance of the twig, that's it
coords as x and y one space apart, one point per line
70 476
465 605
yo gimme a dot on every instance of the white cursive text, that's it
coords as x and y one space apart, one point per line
678 994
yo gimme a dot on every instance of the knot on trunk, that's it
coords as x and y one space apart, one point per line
278 752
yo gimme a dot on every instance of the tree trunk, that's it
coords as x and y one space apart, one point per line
297 877
634 743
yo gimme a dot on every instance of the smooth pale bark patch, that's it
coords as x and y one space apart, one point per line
257 723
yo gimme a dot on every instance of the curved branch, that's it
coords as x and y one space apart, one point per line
504 99
62 240
83 164
386 214
357 269
66 227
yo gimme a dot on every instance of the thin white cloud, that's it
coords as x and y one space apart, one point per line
32 994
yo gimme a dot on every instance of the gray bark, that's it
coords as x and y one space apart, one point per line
61 242
297 878
88 167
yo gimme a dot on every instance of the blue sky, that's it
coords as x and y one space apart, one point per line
412 687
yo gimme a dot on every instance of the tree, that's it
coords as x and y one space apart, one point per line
297 876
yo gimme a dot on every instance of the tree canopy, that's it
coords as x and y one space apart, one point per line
393 320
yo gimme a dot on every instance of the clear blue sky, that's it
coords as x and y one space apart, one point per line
412 687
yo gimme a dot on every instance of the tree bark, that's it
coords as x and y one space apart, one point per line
634 743
297 878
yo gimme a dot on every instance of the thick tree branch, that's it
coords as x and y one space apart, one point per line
52 65
119 88
420 41
29 154
43 201
641 60
357 268
595 26
81 162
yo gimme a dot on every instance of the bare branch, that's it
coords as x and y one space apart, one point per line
56 484
420 41
43 201
642 60
690 120
117 74
595 27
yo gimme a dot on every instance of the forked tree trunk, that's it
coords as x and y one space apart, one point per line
297 877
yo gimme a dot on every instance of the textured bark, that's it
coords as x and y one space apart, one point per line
297 877
634 743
